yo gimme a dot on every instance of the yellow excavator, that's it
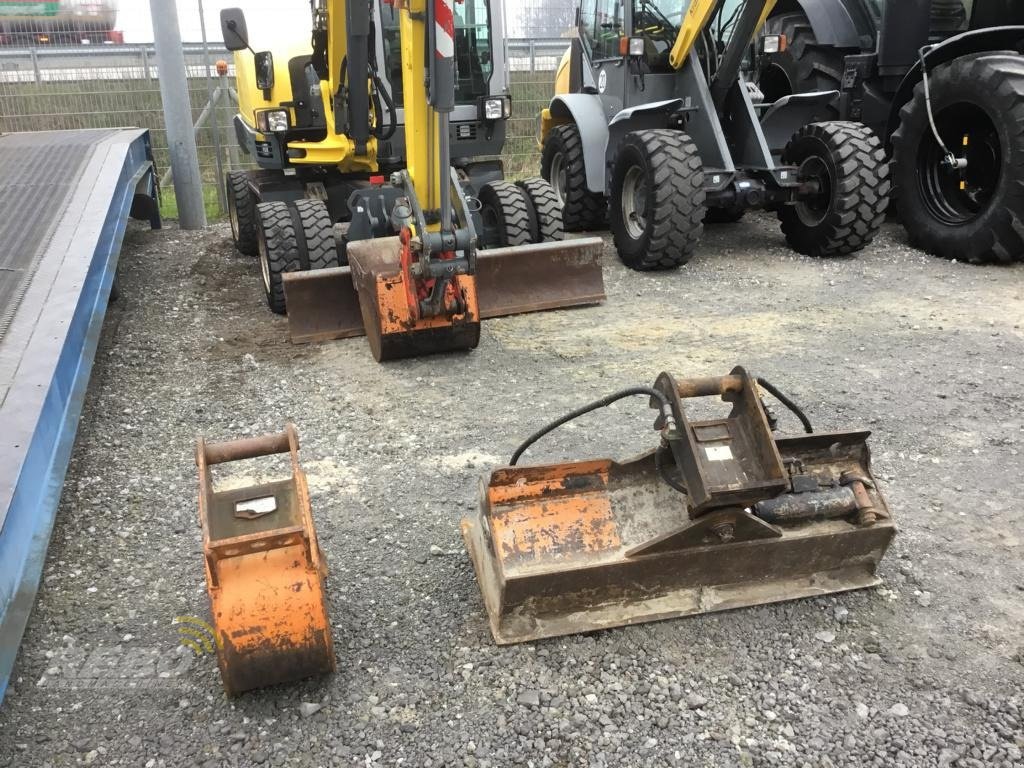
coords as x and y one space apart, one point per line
435 241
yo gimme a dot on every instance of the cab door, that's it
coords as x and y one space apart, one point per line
602 26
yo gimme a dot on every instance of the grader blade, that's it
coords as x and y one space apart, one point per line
568 548
534 278
264 571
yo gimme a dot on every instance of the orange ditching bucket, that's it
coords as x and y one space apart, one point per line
264 570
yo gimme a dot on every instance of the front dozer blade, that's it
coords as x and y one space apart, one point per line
569 548
533 278
323 304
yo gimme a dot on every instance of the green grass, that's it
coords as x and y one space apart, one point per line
169 203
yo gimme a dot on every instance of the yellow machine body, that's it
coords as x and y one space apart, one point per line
334 149
264 570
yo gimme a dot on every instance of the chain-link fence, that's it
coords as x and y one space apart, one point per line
62 72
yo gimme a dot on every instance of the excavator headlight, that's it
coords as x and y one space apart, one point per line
496 108
272 120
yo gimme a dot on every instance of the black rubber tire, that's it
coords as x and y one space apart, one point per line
724 215
507 206
669 165
321 246
993 83
582 210
855 204
805 66
278 244
547 208
241 212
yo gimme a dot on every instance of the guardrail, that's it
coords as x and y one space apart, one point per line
134 61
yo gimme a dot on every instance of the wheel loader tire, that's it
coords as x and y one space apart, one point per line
563 167
657 202
547 209
981 98
282 230
848 162
241 212
507 214
805 66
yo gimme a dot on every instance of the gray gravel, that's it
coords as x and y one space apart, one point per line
925 671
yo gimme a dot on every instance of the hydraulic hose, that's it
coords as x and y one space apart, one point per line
793 407
604 402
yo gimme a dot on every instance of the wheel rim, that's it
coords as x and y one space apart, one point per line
813 209
492 227
956 198
558 175
634 202
264 264
233 216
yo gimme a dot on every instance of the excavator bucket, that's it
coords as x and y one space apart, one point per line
329 304
264 570
567 548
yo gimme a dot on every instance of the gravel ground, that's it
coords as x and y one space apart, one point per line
925 671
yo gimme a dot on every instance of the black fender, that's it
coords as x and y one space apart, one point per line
833 21
1010 38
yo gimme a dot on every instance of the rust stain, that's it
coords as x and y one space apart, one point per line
556 527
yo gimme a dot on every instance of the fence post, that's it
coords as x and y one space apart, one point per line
533 56
181 141
224 92
35 65
212 97
146 74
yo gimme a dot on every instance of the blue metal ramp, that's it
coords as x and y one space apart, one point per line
65 199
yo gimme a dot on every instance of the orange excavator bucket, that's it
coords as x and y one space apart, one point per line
364 298
264 570
721 515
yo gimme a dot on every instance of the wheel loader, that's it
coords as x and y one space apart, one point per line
941 82
376 124
654 130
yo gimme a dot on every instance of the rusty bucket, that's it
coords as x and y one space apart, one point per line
264 570
565 548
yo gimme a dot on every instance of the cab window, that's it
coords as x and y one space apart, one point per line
601 27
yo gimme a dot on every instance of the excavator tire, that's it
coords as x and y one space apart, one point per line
508 215
241 212
292 237
547 208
